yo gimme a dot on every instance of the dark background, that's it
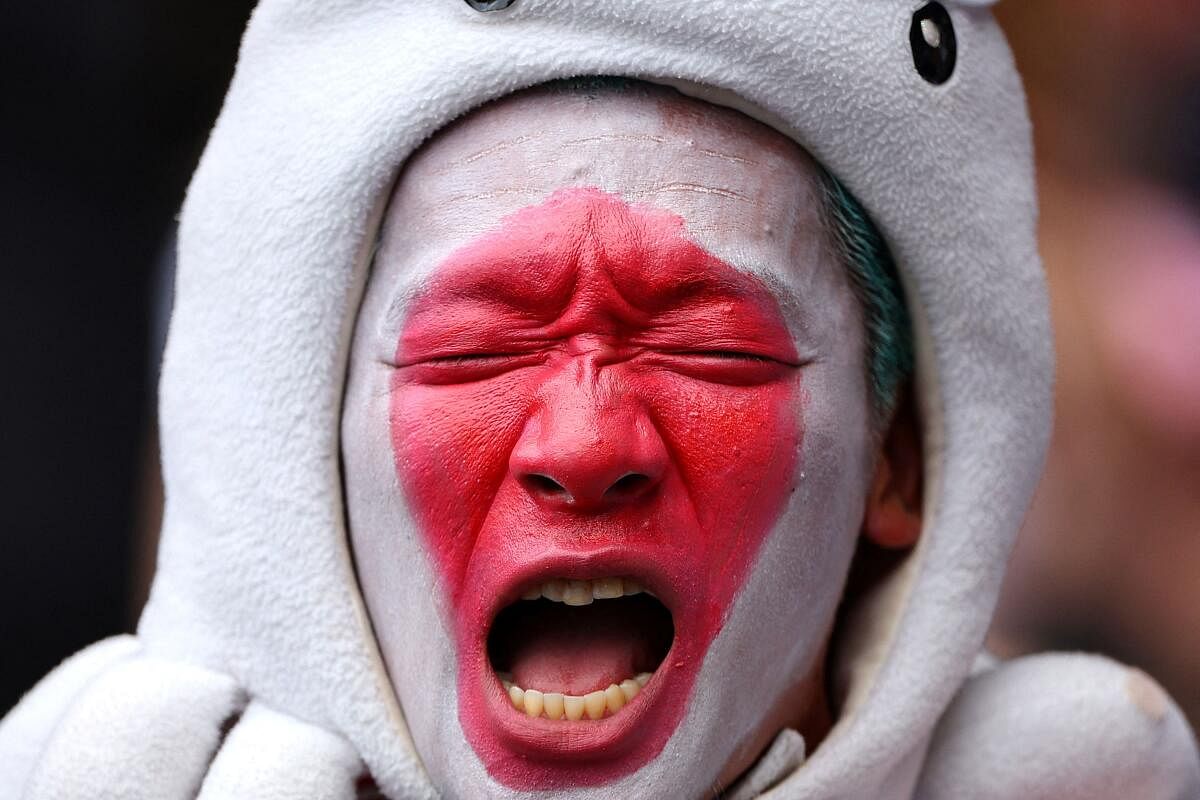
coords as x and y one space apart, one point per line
104 110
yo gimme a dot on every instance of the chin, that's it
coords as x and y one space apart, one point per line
657 701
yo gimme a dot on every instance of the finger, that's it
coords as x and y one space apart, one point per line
269 756
27 728
144 730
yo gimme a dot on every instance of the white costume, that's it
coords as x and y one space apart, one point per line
255 672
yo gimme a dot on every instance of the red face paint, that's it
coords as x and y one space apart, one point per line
586 340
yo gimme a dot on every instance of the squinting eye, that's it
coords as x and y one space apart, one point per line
732 367
468 359
728 354
467 367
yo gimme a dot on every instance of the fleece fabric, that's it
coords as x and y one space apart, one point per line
255 599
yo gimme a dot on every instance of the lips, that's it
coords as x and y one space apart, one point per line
628 661
584 343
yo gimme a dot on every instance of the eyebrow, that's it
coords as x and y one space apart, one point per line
405 290
792 307
412 287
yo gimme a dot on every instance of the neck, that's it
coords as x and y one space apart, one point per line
803 707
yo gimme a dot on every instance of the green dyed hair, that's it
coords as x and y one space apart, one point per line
877 284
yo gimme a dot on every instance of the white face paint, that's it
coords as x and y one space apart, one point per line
524 346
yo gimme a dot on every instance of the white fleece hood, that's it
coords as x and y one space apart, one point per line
256 596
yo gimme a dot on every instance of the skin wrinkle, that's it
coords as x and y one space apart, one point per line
681 186
781 245
520 140
789 297
616 137
498 147
492 195
727 157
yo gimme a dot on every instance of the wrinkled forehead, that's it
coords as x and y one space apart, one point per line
745 192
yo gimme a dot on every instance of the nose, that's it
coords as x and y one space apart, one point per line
589 446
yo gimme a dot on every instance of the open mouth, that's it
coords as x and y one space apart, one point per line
577 666
574 649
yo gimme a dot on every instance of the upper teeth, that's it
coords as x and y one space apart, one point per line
581 593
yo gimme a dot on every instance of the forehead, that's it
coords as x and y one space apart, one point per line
738 184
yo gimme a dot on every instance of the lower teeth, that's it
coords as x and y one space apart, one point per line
554 705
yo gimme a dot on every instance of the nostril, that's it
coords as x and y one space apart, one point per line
544 486
628 486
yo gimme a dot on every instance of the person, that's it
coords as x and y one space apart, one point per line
627 322
434 397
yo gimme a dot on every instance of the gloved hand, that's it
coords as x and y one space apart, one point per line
115 722
1061 727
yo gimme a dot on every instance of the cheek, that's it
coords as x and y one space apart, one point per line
451 445
737 450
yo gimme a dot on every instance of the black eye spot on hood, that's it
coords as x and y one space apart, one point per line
933 46
490 5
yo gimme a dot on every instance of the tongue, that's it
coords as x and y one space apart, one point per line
558 648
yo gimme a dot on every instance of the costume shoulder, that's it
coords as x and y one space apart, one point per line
1062 727
116 722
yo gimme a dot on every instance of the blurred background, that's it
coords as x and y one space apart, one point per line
1109 559
106 108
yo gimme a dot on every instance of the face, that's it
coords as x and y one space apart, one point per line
606 444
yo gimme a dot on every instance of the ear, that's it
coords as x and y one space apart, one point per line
894 505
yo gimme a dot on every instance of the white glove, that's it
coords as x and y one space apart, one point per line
115 722
1062 727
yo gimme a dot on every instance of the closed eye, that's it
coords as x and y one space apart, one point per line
726 354
455 368
732 367
470 359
